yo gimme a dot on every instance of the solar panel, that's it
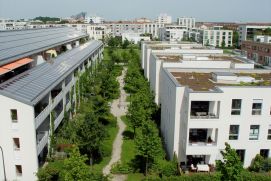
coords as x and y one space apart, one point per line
18 44
29 85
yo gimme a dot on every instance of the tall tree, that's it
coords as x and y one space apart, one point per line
91 134
231 165
148 144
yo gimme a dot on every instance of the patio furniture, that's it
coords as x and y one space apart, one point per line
203 168
193 168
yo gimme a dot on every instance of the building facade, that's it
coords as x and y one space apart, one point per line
33 101
188 22
259 52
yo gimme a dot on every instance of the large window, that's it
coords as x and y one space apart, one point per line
264 153
257 107
254 132
241 154
236 106
234 132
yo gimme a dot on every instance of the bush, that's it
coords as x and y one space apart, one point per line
257 164
119 168
250 176
192 177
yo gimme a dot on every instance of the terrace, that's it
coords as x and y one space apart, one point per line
209 81
170 58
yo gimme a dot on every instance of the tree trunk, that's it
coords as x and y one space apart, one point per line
146 167
134 132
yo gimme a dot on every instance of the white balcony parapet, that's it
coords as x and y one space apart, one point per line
42 116
57 99
59 119
202 144
68 106
209 116
42 140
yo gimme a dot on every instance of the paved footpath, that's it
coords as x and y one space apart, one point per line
118 109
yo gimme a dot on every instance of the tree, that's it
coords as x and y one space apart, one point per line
235 39
223 44
231 166
148 144
257 163
125 43
75 168
91 134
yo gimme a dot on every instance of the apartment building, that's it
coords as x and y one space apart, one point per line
98 32
161 60
94 20
6 24
163 19
258 50
217 37
172 33
135 37
248 31
204 108
183 48
34 99
187 22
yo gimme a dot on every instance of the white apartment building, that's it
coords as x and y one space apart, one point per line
135 37
216 37
247 31
163 19
162 60
188 22
201 109
98 32
36 97
262 38
94 20
182 48
172 33
6 24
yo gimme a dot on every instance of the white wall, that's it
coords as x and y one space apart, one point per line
25 130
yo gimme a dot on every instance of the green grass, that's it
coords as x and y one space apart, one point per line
228 51
107 145
135 177
128 147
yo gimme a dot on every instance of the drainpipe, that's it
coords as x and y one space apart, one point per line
5 178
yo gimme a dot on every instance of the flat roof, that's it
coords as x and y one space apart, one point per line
169 58
31 86
202 81
22 43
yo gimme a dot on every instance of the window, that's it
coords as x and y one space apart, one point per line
269 132
241 154
234 132
254 132
264 153
257 107
14 117
236 106
16 144
19 171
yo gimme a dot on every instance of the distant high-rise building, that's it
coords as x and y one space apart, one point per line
163 19
188 22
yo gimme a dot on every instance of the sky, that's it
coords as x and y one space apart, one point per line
202 10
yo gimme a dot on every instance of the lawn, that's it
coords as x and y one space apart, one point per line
128 147
108 146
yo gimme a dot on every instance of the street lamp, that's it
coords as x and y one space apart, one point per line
5 178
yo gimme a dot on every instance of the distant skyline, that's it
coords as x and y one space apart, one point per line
202 10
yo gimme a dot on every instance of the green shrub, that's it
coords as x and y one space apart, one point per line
257 163
119 168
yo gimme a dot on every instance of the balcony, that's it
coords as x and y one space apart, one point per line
42 139
204 109
59 119
203 137
42 116
58 98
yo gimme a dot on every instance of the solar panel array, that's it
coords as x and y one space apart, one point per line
30 86
19 44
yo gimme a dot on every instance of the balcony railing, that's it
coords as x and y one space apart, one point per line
42 116
68 105
57 99
202 144
204 115
42 139
59 119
